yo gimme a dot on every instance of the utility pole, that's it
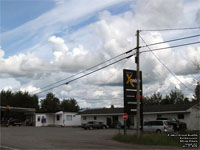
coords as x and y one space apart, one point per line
138 84
198 91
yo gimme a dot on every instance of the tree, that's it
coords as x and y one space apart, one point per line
70 105
50 104
154 99
175 97
112 106
196 64
18 99
6 98
197 92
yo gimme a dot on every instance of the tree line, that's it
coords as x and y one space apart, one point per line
176 96
50 103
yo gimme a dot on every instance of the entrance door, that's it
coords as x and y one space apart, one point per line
109 122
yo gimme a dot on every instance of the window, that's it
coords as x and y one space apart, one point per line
115 118
95 117
69 117
84 117
180 116
38 118
147 123
131 118
159 115
91 122
156 123
57 117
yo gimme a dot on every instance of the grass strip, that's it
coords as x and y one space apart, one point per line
149 139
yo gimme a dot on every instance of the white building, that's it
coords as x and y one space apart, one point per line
57 119
188 113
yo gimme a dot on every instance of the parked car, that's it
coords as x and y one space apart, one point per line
15 122
177 125
158 126
94 125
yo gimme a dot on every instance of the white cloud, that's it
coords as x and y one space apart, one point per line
109 36
159 13
75 59
29 88
21 65
1 53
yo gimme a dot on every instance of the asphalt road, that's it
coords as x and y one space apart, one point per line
41 138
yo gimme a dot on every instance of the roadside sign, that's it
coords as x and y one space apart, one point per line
125 116
130 91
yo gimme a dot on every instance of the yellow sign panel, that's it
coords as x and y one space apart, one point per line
129 80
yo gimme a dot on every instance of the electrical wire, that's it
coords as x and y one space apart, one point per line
172 29
84 70
187 37
181 45
98 69
165 65
114 73
87 73
116 57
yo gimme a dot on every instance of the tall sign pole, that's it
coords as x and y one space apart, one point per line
138 84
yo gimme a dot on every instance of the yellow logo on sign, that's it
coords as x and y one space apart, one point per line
8 107
129 80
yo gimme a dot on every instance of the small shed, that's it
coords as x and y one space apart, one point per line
58 119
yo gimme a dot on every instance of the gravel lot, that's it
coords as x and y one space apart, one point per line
62 138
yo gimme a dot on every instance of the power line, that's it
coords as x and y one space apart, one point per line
109 80
114 62
172 29
86 74
112 59
181 45
99 69
187 37
165 65
85 70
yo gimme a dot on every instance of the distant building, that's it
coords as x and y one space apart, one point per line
57 119
188 113
24 115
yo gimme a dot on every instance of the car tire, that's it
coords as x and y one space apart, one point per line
158 131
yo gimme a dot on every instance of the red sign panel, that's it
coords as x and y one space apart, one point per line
125 116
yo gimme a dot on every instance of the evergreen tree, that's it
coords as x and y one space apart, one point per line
50 104
70 105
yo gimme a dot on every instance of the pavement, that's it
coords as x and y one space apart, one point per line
63 138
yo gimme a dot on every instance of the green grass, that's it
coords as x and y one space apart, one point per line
149 139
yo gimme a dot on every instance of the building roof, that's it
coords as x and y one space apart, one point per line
17 109
103 111
164 108
146 108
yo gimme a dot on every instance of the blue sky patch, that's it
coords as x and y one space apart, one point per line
17 12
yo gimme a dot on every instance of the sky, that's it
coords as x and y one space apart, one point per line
42 42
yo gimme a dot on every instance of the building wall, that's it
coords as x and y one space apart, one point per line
59 118
49 119
149 117
85 119
193 119
102 118
75 119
